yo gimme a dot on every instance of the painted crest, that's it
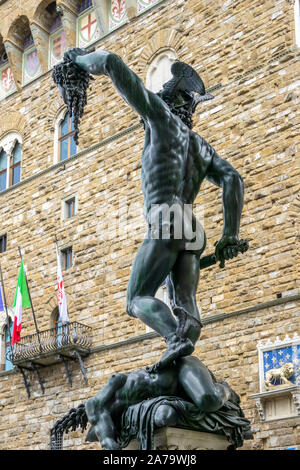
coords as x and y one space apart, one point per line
118 13
32 64
88 27
279 363
144 4
7 80
59 45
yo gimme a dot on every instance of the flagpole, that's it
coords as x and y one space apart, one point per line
33 314
7 317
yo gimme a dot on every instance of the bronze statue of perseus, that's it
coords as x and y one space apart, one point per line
175 161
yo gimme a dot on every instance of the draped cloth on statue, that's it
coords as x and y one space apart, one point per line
138 421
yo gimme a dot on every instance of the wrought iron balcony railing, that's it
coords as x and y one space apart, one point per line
41 346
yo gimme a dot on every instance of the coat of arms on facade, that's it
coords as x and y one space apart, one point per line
279 363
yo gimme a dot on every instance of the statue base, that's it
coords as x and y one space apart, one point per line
169 438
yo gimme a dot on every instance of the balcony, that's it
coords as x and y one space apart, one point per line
42 347
48 347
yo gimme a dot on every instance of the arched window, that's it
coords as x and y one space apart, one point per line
66 143
159 71
15 168
3 170
58 41
88 30
56 323
31 64
10 160
117 14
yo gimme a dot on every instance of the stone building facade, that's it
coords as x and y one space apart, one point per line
247 53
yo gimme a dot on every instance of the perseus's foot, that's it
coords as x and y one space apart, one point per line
177 347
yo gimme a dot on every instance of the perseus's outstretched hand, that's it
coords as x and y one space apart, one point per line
72 82
229 247
72 54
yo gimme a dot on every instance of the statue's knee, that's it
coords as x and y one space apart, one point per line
90 408
209 402
165 416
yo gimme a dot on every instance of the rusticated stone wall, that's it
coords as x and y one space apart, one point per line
245 52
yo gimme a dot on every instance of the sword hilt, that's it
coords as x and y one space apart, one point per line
210 260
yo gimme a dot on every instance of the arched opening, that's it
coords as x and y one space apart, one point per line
21 35
159 71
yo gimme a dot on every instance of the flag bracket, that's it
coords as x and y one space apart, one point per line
78 356
33 367
63 358
25 380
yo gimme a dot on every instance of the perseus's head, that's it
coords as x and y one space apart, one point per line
180 93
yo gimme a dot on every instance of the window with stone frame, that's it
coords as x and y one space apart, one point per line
88 30
10 160
66 143
8 365
57 39
3 170
7 83
5 341
117 14
67 257
69 207
31 64
159 71
3 243
15 167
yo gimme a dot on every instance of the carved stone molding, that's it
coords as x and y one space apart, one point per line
296 399
278 404
260 409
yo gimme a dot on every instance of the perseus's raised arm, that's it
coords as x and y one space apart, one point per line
127 83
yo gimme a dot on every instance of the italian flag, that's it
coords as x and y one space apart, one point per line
22 300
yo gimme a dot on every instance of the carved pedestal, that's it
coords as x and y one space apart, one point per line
183 439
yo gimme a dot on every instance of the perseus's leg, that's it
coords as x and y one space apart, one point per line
152 264
182 286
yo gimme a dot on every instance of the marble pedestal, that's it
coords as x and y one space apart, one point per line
183 439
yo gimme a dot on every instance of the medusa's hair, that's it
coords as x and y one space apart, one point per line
75 81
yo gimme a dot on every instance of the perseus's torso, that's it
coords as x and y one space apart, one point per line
173 167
